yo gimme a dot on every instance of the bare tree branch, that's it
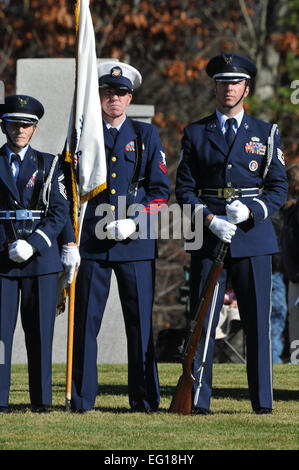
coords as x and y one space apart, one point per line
250 25
101 44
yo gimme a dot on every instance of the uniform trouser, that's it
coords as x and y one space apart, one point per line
251 281
278 315
136 286
293 293
38 310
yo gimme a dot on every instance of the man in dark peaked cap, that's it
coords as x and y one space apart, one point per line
33 211
230 171
136 175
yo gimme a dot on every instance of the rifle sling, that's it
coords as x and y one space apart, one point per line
135 183
34 200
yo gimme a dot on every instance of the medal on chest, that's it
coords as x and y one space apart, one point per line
255 147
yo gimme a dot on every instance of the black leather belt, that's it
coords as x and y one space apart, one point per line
227 193
21 214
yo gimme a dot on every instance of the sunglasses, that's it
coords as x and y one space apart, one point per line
113 91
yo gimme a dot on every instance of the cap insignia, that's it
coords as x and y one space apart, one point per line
22 101
116 72
228 59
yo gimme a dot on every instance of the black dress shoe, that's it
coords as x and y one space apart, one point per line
78 410
40 409
141 409
3 409
200 411
263 411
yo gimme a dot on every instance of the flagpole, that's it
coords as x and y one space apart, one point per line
72 288
70 343
71 322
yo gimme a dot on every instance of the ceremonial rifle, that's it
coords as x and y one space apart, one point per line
181 401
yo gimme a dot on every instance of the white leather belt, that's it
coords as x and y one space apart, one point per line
21 214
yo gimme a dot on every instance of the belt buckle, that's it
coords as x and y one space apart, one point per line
23 214
228 193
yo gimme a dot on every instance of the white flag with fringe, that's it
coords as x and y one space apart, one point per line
85 141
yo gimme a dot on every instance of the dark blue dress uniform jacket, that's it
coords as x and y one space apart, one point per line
14 196
207 163
152 194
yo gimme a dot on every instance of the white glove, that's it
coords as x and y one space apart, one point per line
222 228
120 229
20 251
70 259
237 212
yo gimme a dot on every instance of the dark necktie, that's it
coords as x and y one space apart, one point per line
114 132
230 133
16 159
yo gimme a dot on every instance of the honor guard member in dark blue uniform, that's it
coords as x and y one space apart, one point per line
136 173
33 211
230 169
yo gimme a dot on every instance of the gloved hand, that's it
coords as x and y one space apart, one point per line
237 212
120 229
20 251
70 259
222 228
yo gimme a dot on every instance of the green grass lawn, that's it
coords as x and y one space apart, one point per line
111 426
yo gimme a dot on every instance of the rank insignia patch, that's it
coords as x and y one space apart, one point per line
162 165
280 156
253 165
255 147
61 186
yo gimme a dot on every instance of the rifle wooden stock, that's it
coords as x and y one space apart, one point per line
181 401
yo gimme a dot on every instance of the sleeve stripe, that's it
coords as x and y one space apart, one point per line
42 234
263 206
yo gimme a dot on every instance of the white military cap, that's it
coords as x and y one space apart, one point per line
119 75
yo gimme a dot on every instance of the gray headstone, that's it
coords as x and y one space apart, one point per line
2 92
52 82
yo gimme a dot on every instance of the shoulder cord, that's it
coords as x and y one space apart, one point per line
47 185
270 148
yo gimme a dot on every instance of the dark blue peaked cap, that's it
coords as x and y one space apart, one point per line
21 108
231 67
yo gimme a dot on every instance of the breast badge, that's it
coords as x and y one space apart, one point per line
253 165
